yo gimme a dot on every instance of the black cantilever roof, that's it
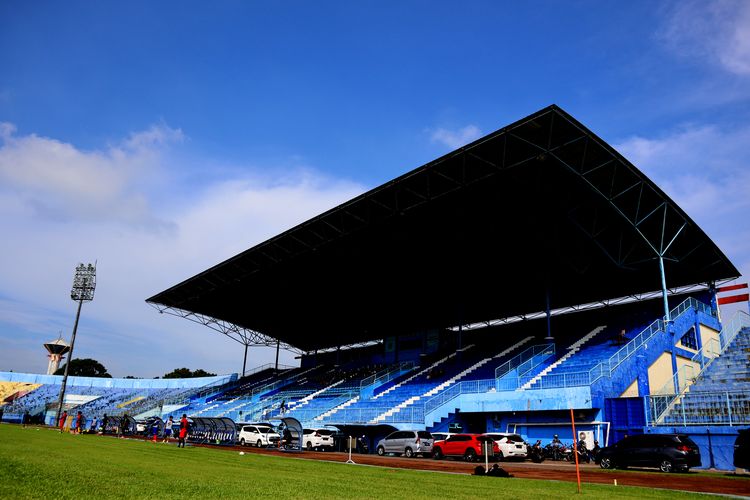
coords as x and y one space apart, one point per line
480 233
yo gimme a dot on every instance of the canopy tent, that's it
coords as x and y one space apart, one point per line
212 430
115 424
291 434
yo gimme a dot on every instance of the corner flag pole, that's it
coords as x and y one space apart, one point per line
350 461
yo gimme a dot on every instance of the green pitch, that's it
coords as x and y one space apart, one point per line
44 464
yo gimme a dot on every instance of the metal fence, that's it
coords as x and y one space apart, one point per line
607 367
671 394
524 359
701 408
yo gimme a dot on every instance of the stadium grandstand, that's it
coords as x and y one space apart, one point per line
494 289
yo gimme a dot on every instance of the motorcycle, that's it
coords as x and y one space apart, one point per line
556 451
535 452
582 452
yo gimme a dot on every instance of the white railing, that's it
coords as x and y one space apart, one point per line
703 408
666 397
606 368
519 359
387 374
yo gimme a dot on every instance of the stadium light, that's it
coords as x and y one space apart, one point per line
84 284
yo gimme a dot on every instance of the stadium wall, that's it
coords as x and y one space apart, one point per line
119 383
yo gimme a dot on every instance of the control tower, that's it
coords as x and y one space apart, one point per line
57 350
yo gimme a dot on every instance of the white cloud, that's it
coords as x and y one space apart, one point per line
713 30
109 201
456 138
706 170
56 180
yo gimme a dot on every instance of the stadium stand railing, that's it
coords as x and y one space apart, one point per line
659 326
720 390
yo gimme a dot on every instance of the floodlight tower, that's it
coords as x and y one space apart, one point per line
84 283
57 350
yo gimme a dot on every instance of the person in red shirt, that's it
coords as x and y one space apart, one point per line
63 418
79 422
183 431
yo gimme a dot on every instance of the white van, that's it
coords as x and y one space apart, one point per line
258 435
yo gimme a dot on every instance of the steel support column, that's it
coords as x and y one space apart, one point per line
244 361
276 367
667 317
549 320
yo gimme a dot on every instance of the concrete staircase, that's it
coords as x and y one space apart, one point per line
572 350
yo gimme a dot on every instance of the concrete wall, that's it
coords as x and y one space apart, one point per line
709 336
660 373
687 370
631 391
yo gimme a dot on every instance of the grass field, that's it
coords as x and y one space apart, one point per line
42 463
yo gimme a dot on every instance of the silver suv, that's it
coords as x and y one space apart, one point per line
258 435
408 443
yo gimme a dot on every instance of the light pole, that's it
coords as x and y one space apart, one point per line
84 284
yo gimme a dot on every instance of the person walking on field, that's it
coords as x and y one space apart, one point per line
154 430
26 418
183 431
124 424
63 419
79 422
168 429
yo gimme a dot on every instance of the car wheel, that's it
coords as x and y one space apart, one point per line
606 463
666 466
437 453
470 455
408 453
309 446
259 444
381 451
242 442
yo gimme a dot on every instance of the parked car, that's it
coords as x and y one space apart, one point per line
468 446
407 443
668 452
258 435
317 439
742 450
144 426
511 445
140 426
441 436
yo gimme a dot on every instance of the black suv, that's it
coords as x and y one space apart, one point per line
668 452
742 450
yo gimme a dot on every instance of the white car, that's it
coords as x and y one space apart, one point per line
511 445
258 435
313 439
441 436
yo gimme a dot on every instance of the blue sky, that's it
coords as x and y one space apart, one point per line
163 137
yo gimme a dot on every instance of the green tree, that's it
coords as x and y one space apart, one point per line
86 367
186 373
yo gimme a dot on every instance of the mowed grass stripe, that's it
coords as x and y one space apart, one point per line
46 464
